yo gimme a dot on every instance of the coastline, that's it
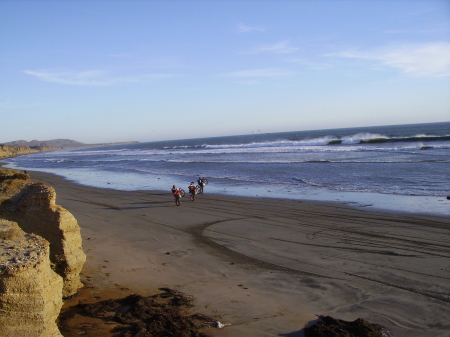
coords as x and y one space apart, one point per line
265 266
434 205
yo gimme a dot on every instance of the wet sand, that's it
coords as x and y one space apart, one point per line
266 267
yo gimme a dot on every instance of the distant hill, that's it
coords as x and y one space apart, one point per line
64 143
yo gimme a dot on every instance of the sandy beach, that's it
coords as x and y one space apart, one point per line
264 267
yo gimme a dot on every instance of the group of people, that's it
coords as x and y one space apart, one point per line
178 193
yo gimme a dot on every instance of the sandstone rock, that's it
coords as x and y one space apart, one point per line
30 291
12 182
17 150
11 151
33 208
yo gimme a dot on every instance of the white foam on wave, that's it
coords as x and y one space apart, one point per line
362 136
278 143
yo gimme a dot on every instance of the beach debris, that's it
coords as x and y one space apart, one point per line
329 326
220 325
163 314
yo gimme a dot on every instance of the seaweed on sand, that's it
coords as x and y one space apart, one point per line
159 315
329 326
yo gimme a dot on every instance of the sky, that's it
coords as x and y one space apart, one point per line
115 71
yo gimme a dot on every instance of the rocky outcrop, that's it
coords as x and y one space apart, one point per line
11 182
329 326
21 147
40 257
11 151
43 148
30 291
33 207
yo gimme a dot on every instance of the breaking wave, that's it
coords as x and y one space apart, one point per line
358 138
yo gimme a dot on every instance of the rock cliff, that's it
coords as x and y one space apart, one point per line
33 207
11 151
40 257
30 291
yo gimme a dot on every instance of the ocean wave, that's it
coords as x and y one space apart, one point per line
307 182
371 138
255 159
358 138
326 140
417 138
358 142
362 188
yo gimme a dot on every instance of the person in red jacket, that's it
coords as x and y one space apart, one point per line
192 190
177 195
174 189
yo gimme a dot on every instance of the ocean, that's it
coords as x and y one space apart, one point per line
399 168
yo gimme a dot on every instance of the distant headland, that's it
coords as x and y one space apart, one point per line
20 147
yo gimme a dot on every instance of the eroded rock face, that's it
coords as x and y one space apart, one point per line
34 209
30 291
40 257
11 151
11 182
15 150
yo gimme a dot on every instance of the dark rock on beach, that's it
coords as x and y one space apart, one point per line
331 327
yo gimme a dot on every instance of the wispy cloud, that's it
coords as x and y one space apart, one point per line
89 78
425 60
254 73
86 78
241 28
282 47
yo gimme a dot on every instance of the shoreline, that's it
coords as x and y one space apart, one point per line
267 267
378 202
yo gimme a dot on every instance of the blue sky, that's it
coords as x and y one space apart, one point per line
107 71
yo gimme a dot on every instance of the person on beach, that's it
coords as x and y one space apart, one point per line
174 189
192 190
201 184
176 195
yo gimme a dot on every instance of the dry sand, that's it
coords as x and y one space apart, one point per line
267 267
